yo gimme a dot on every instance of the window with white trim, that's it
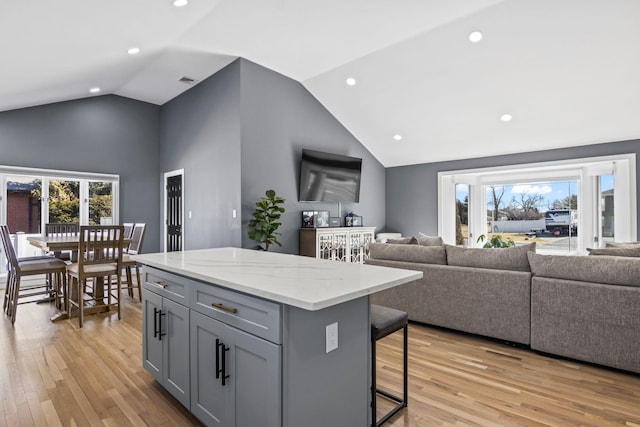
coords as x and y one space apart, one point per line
31 197
566 206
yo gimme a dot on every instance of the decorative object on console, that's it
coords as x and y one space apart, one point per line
308 219
265 221
334 221
315 219
322 219
352 220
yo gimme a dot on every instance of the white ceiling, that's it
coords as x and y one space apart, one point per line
567 70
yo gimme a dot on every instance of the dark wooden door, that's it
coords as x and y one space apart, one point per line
174 213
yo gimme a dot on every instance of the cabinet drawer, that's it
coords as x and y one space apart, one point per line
167 285
253 315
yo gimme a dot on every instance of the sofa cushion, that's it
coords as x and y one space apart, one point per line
408 253
383 237
425 240
623 244
513 258
599 269
403 241
628 251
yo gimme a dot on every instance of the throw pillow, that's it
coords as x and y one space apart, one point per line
425 240
404 241
513 258
408 253
628 251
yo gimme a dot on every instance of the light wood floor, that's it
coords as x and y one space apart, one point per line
56 374
462 380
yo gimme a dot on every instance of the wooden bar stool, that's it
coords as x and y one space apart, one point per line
385 321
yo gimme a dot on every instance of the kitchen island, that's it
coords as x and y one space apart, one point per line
249 338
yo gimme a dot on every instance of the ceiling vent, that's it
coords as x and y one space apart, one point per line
187 80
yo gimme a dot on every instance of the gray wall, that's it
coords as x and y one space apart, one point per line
279 118
412 191
105 134
241 132
200 133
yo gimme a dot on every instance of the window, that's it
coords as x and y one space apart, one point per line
30 198
606 208
100 203
462 214
564 206
23 204
64 201
545 211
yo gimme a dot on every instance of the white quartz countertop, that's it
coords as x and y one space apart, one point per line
298 281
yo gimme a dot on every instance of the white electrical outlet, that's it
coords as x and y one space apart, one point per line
234 213
332 337
189 214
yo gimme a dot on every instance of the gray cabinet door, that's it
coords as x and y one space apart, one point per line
209 402
251 395
175 326
255 371
151 345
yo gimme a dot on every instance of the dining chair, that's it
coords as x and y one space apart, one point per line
19 268
128 229
135 247
62 229
99 257
21 259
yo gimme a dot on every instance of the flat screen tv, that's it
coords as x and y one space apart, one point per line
326 177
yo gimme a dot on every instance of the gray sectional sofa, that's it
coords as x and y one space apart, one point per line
581 307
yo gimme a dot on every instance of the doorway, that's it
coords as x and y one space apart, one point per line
173 210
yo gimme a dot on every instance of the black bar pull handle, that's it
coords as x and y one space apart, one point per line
160 333
218 370
155 322
224 364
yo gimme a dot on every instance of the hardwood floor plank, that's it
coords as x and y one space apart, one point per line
128 410
50 414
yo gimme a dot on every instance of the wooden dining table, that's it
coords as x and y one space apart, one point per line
57 243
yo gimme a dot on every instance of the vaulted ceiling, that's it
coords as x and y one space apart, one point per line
566 71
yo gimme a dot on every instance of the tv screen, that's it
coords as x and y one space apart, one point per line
326 177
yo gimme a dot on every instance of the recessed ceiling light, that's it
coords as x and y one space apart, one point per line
133 50
475 36
94 90
397 137
180 3
506 117
351 81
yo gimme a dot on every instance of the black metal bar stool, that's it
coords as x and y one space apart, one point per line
385 321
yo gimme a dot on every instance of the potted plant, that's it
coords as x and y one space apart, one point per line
496 242
265 221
